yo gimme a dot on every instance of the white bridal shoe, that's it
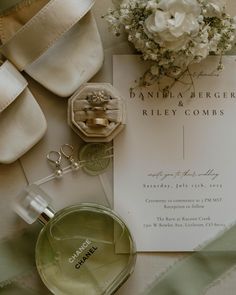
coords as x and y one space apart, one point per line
22 123
56 42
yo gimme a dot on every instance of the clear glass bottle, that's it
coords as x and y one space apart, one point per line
84 249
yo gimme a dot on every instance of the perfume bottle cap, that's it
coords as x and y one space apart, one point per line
33 204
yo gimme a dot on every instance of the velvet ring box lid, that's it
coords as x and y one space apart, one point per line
96 112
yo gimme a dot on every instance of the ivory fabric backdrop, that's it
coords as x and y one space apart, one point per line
33 166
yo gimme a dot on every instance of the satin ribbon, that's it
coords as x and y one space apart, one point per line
193 275
16 289
17 260
6 4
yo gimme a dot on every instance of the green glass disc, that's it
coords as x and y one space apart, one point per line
95 157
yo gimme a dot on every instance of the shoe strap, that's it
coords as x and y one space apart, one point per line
43 30
12 84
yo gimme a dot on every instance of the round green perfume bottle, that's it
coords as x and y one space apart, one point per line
83 249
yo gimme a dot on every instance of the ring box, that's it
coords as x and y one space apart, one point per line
96 112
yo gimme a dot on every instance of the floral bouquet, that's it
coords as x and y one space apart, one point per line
174 33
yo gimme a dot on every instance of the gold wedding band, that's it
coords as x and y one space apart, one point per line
86 109
97 122
99 109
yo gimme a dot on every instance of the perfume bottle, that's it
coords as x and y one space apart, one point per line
83 249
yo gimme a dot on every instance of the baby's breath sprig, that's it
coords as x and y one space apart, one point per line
173 34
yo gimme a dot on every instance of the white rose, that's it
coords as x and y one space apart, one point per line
215 8
173 23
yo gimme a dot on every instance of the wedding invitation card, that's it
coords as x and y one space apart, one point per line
175 162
